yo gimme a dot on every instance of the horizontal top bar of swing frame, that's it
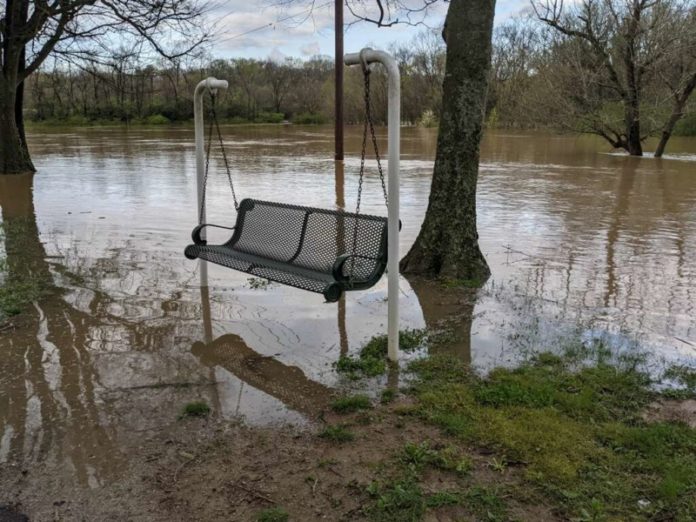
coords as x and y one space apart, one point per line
372 56
212 84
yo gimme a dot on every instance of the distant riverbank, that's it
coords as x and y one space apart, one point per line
264 118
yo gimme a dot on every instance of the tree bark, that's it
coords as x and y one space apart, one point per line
14 155
667 132
633 141
447 245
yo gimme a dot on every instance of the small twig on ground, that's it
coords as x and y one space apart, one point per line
253 492
334 471
181 466
8 326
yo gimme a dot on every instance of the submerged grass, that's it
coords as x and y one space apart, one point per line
351 403
372 359
21 281
274 514
686 378
337 433
577 434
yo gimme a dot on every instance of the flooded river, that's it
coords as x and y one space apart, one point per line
582 244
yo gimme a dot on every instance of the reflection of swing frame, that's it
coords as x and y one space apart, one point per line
365 57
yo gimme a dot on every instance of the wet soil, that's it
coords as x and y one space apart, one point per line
208 470
673 410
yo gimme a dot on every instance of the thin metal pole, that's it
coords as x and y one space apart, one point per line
394 137
211 84
338 30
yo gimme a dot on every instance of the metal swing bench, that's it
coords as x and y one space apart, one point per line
323 251
319 250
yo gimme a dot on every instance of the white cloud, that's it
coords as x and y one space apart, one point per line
258 28
311 49
277 56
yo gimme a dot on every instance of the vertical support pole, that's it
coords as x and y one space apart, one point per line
394 137
209 84
338 130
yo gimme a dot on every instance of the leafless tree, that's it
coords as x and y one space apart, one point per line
622 46
79 30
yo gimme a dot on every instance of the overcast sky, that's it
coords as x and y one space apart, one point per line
261 29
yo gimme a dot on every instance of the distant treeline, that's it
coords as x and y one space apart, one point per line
531 86
260 91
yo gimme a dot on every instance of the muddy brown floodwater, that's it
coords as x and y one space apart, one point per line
582 245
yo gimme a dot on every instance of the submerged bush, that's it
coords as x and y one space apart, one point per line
270 117
157 119
308 118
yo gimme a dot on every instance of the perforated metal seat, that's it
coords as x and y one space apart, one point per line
323 251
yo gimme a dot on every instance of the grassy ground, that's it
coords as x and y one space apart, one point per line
559 438
577 435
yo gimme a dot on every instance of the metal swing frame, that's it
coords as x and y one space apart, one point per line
365 57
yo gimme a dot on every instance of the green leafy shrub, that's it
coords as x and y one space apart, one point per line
270 117
308 118
157 119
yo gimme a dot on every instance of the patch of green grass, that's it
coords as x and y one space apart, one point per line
195 409
417 456
337 433
372 359
401 500
443 498
485 503
388 395
576 432
274 514
351 403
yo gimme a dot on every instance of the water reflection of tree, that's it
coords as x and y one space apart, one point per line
69 369
49 379
450 310
74 354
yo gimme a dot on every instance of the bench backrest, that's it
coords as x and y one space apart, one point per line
310 237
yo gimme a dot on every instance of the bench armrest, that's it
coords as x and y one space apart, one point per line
196 234
337 269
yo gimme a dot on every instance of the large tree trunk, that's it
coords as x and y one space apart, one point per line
667 131
633 141
447 245
14 155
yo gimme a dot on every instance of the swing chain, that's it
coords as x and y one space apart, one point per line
369 124
214 122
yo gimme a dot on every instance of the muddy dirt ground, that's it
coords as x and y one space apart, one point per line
207 470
